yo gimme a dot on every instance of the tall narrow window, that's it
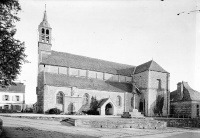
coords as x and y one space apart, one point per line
86 99
159 83
59 98
43 35
47 36
17 98
47 32
119 100
197 110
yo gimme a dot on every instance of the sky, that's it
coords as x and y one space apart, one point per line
124 31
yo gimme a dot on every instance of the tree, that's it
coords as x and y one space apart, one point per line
159 105
12 54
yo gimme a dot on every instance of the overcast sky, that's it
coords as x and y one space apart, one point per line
125 31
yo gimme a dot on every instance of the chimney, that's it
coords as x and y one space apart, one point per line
180 90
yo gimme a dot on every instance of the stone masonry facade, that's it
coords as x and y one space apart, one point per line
72 83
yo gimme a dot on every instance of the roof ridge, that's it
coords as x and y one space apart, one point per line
151 61
93 58
150 65
186 85
156 64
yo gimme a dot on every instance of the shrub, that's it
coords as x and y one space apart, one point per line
53 111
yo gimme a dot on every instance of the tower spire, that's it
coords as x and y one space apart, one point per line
44 22
44 30
45 15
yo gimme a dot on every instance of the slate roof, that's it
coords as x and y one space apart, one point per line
189 94
84 83
151 65
18 88
82 62
101 102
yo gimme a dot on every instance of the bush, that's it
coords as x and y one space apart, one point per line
28 110
5 111
92 112
53 111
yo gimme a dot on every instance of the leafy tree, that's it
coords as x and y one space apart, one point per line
93 107
159 105
11 50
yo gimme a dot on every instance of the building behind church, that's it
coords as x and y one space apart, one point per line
72 83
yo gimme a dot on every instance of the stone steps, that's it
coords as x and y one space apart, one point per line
71 122
133 113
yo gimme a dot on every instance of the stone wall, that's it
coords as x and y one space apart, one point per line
158 94
129 96
141 80
181 109
84 73
154 86
40 91
124 123
180 122
195 109
185 109
77 98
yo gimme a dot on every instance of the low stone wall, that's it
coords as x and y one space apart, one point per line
125 123
141 123
37 117
181 122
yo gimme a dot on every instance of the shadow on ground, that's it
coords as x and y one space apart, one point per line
28 132
186 135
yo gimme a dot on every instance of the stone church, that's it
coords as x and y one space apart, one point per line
74 83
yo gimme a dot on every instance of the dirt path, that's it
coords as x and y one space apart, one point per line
27 132
27 128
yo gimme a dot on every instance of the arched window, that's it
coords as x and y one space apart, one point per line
47 32
86 99
47 36
159 84
119 100
132 100
43 35
59 98
42 30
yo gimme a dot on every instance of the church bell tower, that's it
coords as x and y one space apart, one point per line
44 43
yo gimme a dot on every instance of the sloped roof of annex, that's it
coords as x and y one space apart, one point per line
83 83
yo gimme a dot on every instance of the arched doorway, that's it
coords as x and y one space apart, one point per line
109 109
71 108
60 100
141 106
